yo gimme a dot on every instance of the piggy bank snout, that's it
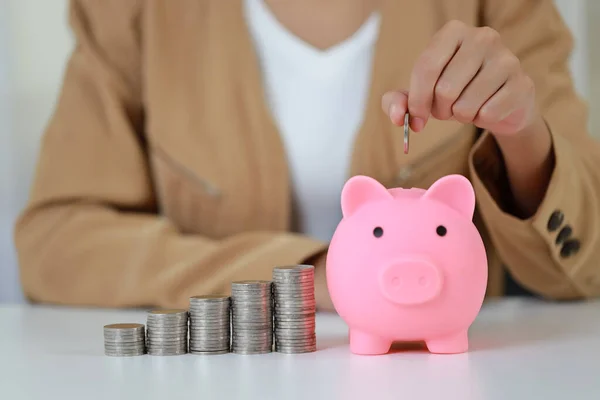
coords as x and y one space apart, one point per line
410 282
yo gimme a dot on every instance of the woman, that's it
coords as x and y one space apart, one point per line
200 142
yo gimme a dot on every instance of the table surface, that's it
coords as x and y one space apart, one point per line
519 349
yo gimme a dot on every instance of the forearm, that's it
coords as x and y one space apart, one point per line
529 162
94 256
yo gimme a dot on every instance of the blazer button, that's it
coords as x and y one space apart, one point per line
564 234
555 221
569 248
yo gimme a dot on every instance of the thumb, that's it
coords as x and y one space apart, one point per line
395 104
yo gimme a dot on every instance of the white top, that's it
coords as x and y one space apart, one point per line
317 99
520 350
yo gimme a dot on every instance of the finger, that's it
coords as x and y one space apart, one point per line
461 69
502 106
429 67
492 77
395 104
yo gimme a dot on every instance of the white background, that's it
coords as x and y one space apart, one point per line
34 44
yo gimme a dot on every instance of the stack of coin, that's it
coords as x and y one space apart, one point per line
252 317
210 331
167 332
124 340
294 309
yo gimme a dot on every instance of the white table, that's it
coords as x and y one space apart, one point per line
520 349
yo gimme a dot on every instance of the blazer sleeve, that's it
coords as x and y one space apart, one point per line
90 234
554 253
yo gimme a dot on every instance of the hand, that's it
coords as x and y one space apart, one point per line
468 75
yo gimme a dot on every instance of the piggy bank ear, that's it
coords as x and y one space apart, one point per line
455 191
360 190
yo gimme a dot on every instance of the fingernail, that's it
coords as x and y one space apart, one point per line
418 124
395 113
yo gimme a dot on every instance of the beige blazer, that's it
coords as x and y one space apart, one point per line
162 174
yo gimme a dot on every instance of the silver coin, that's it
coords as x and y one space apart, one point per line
202 347
295 346
158 341
166 322
295 341
210 298
290 284
251 351
167 313
124 327
175 328
252 343
209 312
250 332
205 330
196 347
209 353
298 328
288 330
171 330
209 346
137 341
210 316
295 307
123 354
173 350
251 339
291 350
406 132
279 280
167 346
242 318
294 316
123 343
131 339
167 353
297 268
218 339
294 311
210 328
167 335
200 323
293 300
252 328
124 348
250 320
245 330
124 333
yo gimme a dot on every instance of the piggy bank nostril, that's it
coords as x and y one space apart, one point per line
396 281
422 281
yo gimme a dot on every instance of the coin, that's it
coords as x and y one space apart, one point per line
167 332
406 132
251 317
210 324
124 340
294 307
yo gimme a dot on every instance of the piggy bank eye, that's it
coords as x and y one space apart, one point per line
441 230
378 232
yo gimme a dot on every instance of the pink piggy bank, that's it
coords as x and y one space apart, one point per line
407 265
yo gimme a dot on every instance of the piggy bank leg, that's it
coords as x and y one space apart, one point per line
457 343
368 344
